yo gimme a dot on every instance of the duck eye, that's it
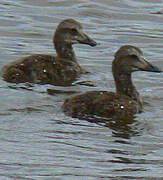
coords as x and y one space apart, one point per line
133 56
74 31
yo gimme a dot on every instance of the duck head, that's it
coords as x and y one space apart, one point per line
71 32
129 59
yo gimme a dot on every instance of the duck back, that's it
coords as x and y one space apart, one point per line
41 69
100 103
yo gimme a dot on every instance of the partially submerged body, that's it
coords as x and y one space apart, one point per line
42 69
123 103
61 69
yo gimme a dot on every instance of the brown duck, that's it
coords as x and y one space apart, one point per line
123 103
61 69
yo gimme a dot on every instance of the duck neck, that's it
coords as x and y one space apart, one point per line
124 86
65 50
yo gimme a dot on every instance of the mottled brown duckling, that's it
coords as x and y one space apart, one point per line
46 69
123 103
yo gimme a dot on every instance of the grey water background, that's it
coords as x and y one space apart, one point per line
37 141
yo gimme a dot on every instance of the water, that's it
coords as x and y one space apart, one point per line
37 141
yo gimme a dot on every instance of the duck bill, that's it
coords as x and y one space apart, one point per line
146 66
84 39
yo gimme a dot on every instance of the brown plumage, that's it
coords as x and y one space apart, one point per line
125 102
62 69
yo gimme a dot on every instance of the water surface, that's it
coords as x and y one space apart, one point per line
37 141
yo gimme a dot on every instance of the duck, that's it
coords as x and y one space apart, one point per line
120 105
62 69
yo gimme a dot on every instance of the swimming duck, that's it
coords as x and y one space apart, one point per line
61 69
123 103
